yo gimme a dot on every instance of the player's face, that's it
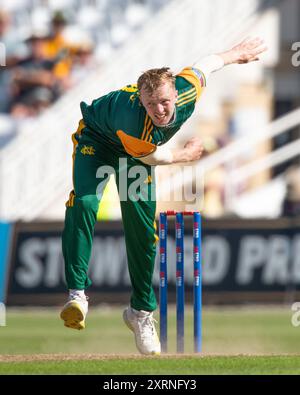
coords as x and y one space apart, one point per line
160 105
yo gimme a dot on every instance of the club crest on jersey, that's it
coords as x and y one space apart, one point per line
88 150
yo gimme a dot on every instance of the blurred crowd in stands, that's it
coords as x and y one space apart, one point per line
37 74
51 45
40 67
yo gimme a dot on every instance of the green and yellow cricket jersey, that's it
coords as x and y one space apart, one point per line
120 118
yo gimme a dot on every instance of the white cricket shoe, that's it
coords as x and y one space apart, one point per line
142 325
75 311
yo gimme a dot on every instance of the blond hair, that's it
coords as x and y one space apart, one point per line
151 79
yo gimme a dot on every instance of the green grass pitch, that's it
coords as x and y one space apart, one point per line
236 340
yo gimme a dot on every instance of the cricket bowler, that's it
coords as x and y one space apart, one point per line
134 123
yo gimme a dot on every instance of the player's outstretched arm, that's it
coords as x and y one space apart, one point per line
245 52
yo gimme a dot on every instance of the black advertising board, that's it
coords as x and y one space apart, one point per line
246 260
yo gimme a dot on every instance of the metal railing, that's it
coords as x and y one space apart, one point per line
238 148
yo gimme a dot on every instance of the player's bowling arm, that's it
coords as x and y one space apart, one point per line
162 156
191 151
165 156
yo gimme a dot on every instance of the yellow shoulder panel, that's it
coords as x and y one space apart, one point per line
134 146
130 88
191 77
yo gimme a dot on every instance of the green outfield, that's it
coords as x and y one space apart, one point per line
236 340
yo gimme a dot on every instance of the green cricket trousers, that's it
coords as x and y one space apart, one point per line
93 162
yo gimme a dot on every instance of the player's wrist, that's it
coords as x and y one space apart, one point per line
228 57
